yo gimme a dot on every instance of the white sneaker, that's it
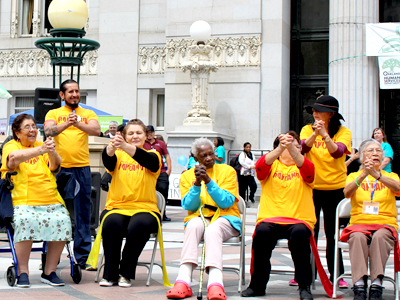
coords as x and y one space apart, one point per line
124 282
105 282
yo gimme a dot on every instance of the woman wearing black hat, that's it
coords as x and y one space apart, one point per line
326 143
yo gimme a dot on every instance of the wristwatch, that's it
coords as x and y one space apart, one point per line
326 139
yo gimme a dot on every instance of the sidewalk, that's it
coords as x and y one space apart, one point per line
278 287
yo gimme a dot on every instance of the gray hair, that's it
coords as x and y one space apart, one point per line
365 144
113 123
200 142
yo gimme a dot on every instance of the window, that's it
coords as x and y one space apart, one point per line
26 17
157 109
160 110
29 18
24 103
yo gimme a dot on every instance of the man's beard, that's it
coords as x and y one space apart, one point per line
73 105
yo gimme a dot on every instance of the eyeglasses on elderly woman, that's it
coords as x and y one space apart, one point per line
28 128
372 150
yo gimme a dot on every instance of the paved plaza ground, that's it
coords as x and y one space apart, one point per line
278 287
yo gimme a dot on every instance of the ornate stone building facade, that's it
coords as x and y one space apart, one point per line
273 57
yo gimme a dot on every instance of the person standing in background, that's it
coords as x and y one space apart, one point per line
71 126
163 180
326 143
247 173
220 155
112 129
379 135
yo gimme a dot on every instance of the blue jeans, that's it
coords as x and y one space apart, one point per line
80 213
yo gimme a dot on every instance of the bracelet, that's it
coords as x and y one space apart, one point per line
355 181
40 151
380 175
296 154
350 159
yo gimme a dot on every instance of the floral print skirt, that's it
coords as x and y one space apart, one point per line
41 223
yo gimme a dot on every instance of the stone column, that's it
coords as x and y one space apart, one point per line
200 67
353 77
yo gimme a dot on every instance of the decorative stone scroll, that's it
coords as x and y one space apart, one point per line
227 52
37 63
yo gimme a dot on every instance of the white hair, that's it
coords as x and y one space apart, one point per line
113 123
365 144
198 143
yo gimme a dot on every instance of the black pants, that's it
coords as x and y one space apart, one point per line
137 230
162 186
265 238
244 183
328 201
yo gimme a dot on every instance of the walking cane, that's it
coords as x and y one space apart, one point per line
200 294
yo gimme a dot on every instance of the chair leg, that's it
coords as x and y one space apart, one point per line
396 285
100 265
152 261
313 270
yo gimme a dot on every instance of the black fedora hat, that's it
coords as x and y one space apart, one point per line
325 104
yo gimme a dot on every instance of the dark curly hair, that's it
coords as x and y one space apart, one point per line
16 125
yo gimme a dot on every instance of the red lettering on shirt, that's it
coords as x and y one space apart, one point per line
32 161
127 166
319 144
379 186
286 177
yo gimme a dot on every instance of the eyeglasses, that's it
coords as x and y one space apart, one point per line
372 150
299 147
28 128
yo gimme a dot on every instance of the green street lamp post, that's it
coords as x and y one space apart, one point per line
67 47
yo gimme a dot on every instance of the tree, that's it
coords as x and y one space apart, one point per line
391 63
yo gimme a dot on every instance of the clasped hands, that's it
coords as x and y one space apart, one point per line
369 169
286 142
117 141
319 128
200 171
49 146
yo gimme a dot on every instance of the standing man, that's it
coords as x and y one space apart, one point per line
71 126
112 129
163 180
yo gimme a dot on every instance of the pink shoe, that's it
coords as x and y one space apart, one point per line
293 283
343 284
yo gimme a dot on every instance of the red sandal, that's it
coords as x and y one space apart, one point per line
179 291
216 292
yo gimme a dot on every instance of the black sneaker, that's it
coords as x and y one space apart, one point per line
360 292
305 293
23 281
52 279
375 292
249 292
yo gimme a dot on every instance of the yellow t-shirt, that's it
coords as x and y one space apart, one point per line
285 194
32 185
225 177
385 196
72 143
132 186
330 173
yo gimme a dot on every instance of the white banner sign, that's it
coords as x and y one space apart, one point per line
382 39
174 188
389 72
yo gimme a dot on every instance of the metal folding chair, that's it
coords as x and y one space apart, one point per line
240 242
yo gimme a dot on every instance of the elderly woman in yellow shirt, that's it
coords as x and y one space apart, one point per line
372 232
39 210
213 185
